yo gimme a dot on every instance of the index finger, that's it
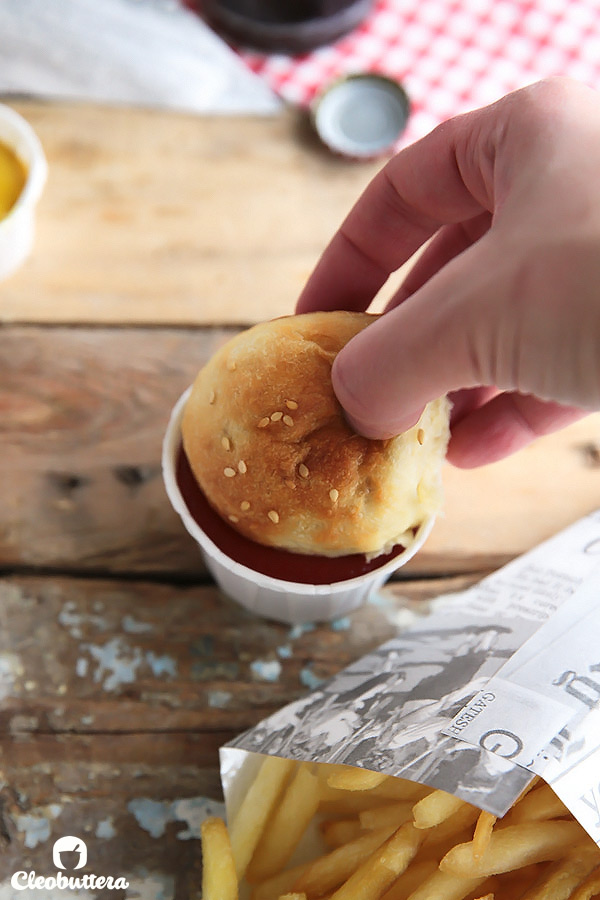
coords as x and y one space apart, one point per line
437 181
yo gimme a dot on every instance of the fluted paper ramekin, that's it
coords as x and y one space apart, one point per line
274 598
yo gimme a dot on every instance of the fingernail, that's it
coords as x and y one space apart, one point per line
377 430
367 430
382 432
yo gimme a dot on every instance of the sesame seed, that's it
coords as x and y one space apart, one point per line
291 404
244 506
303 471
234 519
274 516
287 420
228 472
276 416
212 397
231 366
333 495
264 422
242 467
225 443
420 435
291 484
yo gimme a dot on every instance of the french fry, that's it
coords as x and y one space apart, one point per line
589 888
278 884
437 841
445 886
346 803
380 816
513 847
416 874
400 789
336 832
286 826
560 880
536 806
342 802
435 808
483 833
349 778
328 872
219 880
488 888
256 807
383 867
451 831
395 840
517 882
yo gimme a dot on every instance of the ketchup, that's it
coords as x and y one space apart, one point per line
300 567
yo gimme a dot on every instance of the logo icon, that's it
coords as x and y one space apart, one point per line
69 852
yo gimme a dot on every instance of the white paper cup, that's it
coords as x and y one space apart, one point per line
17 229
274 598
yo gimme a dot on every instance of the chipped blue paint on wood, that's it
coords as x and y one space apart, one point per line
266 669
153 816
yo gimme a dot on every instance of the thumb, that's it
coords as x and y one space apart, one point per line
437 340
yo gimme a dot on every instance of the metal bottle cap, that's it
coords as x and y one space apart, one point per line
361 116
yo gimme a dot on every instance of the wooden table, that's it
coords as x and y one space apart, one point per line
122 668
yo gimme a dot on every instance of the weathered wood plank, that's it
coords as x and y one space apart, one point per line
158 218
99 657
83 415
116 698
136 801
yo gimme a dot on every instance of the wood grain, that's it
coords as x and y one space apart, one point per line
135 802
158 218
84 415
139 657
117 696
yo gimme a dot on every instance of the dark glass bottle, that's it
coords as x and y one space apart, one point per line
285 26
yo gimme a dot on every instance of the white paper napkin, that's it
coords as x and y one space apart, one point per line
140 52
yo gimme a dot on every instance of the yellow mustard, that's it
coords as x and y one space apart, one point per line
13 176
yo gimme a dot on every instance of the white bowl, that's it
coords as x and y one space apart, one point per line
274 598
17 229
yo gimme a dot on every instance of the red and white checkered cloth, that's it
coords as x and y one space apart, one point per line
451 55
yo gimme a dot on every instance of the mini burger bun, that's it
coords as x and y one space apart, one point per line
270 448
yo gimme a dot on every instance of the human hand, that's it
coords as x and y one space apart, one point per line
502 308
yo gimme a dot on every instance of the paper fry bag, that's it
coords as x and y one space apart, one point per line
498 684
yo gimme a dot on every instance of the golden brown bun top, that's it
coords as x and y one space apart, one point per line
268 444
